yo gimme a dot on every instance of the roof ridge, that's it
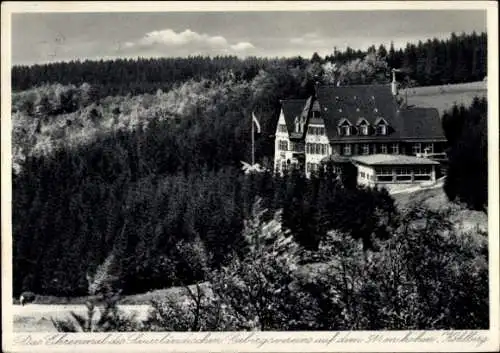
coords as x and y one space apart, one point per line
294 99
356 85
418 108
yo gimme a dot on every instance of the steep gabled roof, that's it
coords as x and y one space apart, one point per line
373 103
354 102
293 108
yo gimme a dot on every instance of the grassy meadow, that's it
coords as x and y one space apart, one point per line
445 96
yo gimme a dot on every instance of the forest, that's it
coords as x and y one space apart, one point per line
460 58
139 161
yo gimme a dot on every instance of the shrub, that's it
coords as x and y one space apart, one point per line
430 275
111 319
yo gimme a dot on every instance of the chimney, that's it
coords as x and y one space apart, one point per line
394 83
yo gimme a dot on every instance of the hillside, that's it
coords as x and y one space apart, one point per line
443 97
435 199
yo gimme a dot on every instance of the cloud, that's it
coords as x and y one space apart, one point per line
186 42
310 39
242 46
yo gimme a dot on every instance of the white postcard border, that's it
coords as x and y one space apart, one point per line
347 341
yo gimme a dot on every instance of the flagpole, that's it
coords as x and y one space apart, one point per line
253 141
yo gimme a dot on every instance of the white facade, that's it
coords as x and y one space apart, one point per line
366 175
282 146
395 177
317 147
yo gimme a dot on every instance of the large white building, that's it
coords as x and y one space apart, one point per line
351 121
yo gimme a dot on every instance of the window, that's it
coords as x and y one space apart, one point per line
315 114
422 173
316 130
282 128
363 127
383 148
381 126
403 174
383 171
283 165
384 174
365 149
300 123
311 167
283 145
297 147
395 148
346 150
317 148
429 148
344 127
416 148
381 129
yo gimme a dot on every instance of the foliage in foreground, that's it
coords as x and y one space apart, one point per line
102 285
430 275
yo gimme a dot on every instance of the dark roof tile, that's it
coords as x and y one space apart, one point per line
340 104
369 102
292 108
420 123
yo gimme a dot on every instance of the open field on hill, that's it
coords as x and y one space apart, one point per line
36 317
445 96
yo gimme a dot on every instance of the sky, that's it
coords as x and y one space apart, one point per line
49 37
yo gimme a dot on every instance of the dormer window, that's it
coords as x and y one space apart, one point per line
382 130
344 128
381 126
315 114
363 127
299 124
